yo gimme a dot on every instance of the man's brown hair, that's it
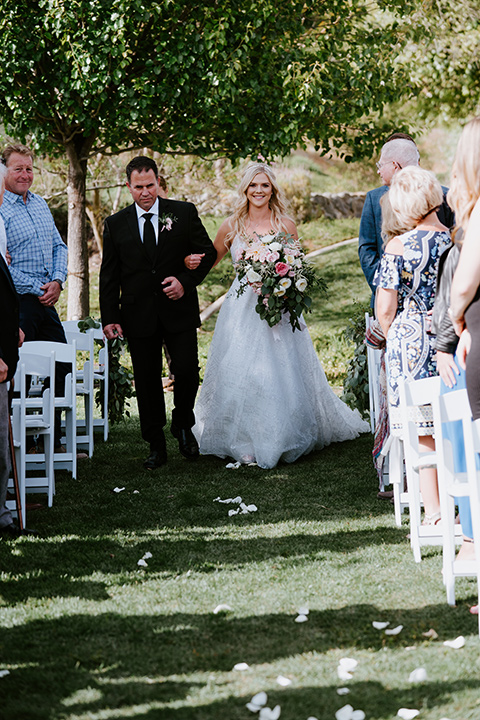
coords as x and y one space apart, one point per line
15 148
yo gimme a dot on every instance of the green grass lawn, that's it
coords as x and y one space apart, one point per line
87 634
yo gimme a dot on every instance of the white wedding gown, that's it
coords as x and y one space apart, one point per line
265 396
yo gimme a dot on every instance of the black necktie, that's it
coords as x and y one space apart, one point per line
149 239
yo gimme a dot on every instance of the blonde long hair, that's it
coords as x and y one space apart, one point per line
277 204
465 186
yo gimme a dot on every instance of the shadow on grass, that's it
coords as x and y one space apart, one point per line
58 569
119 660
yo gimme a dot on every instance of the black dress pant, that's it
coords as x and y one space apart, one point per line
42 323
146 353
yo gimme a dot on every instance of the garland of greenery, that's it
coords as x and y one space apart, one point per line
355 385
120 378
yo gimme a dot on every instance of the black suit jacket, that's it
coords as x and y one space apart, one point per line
9 322
131 291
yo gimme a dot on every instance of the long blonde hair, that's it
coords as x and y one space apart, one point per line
278 203
391 225
465 186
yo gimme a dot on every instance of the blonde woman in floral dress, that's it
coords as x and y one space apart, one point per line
265 397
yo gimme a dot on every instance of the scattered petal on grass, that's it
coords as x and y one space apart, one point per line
343 691
348 664
252 508
407 713
252 464
142 563
233 512
312 718
456 644
136 492
303 610
418 675
358 715
410 647
241 666
301 618
267 714
4 673
221 608
253 708
147 556
260 699
380 625
431 634
343 674
236 500
345 713
394 631
233 466
283 681
118 489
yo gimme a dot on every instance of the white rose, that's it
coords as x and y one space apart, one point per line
301 284
285 283
279 291
253 276
275 246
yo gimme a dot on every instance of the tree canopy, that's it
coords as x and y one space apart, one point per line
212 78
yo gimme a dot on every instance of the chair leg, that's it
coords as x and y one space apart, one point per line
16 486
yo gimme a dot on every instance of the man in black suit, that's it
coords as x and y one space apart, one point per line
148 294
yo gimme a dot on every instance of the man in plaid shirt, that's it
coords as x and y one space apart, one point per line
38 257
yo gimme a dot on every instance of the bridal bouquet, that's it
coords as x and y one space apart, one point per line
278 272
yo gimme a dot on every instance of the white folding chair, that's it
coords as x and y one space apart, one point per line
64 353
100 378
374 360
34 416
84 342
452 483
415 394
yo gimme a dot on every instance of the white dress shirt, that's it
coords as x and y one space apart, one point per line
154 219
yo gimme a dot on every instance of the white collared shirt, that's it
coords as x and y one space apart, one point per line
3 240
154 219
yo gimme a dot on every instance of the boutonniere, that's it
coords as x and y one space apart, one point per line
166 221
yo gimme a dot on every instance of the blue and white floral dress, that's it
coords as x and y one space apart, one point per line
410 352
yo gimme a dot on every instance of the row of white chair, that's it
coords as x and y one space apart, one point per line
34 407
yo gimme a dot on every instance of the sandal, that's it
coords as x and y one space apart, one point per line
434 519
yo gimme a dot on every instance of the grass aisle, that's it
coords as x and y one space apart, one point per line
87 634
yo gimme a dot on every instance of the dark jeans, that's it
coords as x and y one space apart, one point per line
42 323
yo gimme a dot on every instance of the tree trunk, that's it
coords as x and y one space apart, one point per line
94 214
78 278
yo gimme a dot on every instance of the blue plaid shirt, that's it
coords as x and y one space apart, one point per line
39 254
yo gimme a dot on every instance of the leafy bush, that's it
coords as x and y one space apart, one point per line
296 185
355 385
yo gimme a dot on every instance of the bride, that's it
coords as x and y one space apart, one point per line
265 396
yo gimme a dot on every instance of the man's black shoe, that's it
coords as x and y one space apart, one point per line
156 459
12 531
187 443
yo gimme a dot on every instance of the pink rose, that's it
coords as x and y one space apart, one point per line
291 274
281 269
272 257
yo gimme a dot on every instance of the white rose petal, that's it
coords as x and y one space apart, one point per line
301 284
253 708
283 681
285 283
380 625
343 691
407 713
252 508
348 664
4 673
142 563
303 610
241 666
275 247
233 512
312 718
358 715
221 608
301 618
237 500
233 466
253 277
279 292
418 675
343 674
118 489
136 492
345 713
147 556
267 714
394 631
456 644
260 699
